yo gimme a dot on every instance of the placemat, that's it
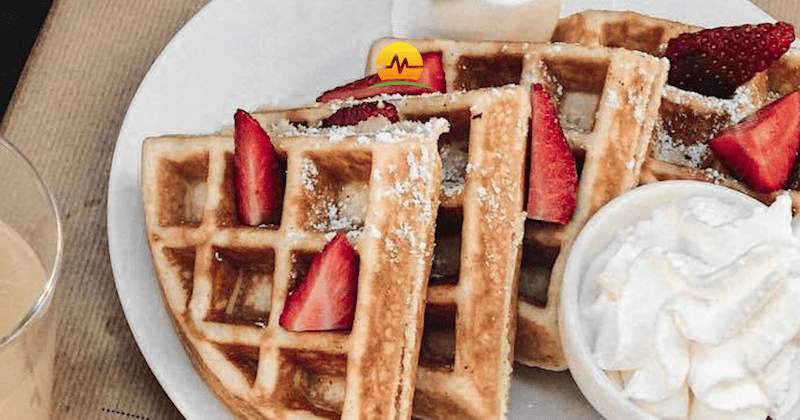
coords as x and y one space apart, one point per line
65 115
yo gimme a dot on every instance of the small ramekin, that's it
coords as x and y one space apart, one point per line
623 211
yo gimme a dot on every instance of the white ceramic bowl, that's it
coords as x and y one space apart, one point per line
620 213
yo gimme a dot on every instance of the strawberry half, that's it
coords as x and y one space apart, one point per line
763 147
553 179
716 61
259 175
432 75
361 112
326 299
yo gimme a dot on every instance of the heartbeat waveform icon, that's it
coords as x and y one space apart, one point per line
401 65
399 71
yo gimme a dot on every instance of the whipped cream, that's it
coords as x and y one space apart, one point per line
695 312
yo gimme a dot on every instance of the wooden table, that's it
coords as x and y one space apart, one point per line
65 115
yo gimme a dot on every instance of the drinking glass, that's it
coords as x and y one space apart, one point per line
30 255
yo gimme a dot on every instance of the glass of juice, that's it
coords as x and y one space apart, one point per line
30 255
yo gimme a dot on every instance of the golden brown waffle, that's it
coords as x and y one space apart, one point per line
466 356
607 100
225 284
687 120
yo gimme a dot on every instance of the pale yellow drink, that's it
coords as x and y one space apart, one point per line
26 363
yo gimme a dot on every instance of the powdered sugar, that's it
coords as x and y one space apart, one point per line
738 107
379 129
330 215
640 103
332 206
555 48
308 173
670 150
611 98
713 175
373 232
418 168
489 196
454 169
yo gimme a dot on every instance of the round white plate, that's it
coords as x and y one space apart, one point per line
248 53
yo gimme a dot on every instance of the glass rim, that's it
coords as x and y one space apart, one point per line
45 297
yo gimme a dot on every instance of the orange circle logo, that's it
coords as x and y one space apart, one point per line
399 61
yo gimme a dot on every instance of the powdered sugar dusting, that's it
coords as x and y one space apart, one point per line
309 174
492 198
408 187
332 216
611 98
670 150
738 107
379 129
417 169
373 232
714 175
639 102
454 169
555 48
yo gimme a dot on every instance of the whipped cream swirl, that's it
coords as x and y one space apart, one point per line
695 312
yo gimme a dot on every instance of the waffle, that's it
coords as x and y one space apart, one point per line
224 284
607 100
466 356
686 120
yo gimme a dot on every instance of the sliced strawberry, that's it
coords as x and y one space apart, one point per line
793 183
716 61
553 179
762 148
432 75
361 112
260 177
326 299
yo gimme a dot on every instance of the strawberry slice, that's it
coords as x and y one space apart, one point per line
432 75
793 183
716 61
361 112
326 299
762 148
553 179
259 176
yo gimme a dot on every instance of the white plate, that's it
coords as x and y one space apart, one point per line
246 53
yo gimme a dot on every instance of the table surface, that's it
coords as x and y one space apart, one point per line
65 114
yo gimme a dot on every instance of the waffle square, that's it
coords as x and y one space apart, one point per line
607 101
466 355
225 284
686 120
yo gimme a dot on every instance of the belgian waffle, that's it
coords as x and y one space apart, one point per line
686 120
607 101
466 356
225 284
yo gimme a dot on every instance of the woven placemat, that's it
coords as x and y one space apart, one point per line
65 115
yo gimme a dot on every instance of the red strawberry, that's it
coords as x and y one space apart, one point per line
793 183
762 148
260 178
355 114
326 299
553 179
716 61
432 75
